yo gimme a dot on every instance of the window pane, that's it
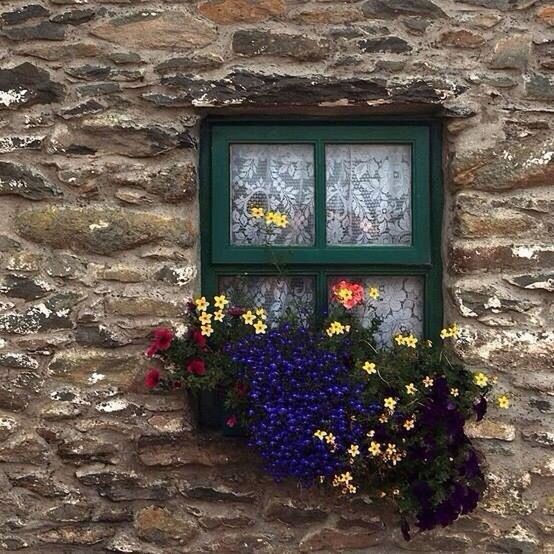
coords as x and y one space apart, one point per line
400 304
277 177
278 295
368 194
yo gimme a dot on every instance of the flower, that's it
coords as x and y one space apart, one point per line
410 341
411 389
481 379
348 294
152 378
503 402
353 450
369 368
261 313
374 448
319 434
206 330
399 339
231 421
257 212
249 317
409 424
454 392
218 315
452 331
201 304
260 327
196 367
220 301
205 318
428 382
280 220
390 403
373 292
337 328
383 418
163 338
198 338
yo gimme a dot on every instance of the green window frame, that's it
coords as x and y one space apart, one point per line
421 258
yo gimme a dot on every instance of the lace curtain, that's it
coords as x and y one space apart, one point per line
400 304
278 177
368 194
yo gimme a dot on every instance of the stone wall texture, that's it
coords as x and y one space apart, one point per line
100 109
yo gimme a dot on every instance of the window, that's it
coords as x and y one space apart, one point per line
363 202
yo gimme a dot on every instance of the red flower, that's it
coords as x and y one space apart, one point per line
177 384
241 388
163 336
152 378
231 421
348 294
199 339
152 349
196 367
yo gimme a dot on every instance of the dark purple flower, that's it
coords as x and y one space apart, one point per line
480 408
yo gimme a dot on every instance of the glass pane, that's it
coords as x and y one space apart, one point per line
368 194
399 305
276 177
278 295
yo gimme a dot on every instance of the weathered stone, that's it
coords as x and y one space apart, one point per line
119 272
8 426
17 391
45 30
231 519
26 85
102 231
17 360
167 29
64 265
393 8
90 367
256 88
139 306
488 429
25 261
217 493
122 58
529 163
57 411
258 43
159 525
511 53
180 276
226 12
22 286
518 539
23 14
546 15
70 512
461 38
493 4
505 495
74 17
24 142
385 44
21 181
97 89
319 15
101 335
65 51
293 513
127 544
83 450
24 448
191 63
89 72
539 436
533 281
39 482
417 25
77 536
539 86
335 540
8 244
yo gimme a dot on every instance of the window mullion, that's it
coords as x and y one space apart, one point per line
320 207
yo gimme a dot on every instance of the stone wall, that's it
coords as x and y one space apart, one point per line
100 104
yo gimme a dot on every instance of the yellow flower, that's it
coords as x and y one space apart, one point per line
220 301
410 341
373 292
257 212
480 379
261 313
201 304
343 293
281 220
503 402
370 434
218 315
374 448
260 327
390 403
336 328
454 392
270 217
205 318
428 382
399 339
409 424
206 330
429 343
383 418
452 331
445 333
320 434
249 317
411 389
354 450
369 368
351 489
330 439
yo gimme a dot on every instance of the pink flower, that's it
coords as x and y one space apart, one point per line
152 350
196 367
152 378
231 421
348 294
199 339
163 336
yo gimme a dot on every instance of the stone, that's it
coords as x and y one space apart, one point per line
127 544
97 89
24 448
336 540
122 58
93 366
19 390
180 276
293 513
84 450
23 14
101 335
8 426
76 536
213 492
70 512
26 85
101 231
511 53
417 25
461 38
540 86
245 88
26 262
503 5
118 272
302 47
319 15
39 482
45 30
227 12
539 436
65 51
194 62
64 265
159 525
534 281
392 44
230 519
58 411
488 429
23 286
143 306
18 360
393 8
158 30
89 72
18 180
74 17
518 539
505 495
546 15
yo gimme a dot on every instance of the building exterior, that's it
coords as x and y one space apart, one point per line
103 106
